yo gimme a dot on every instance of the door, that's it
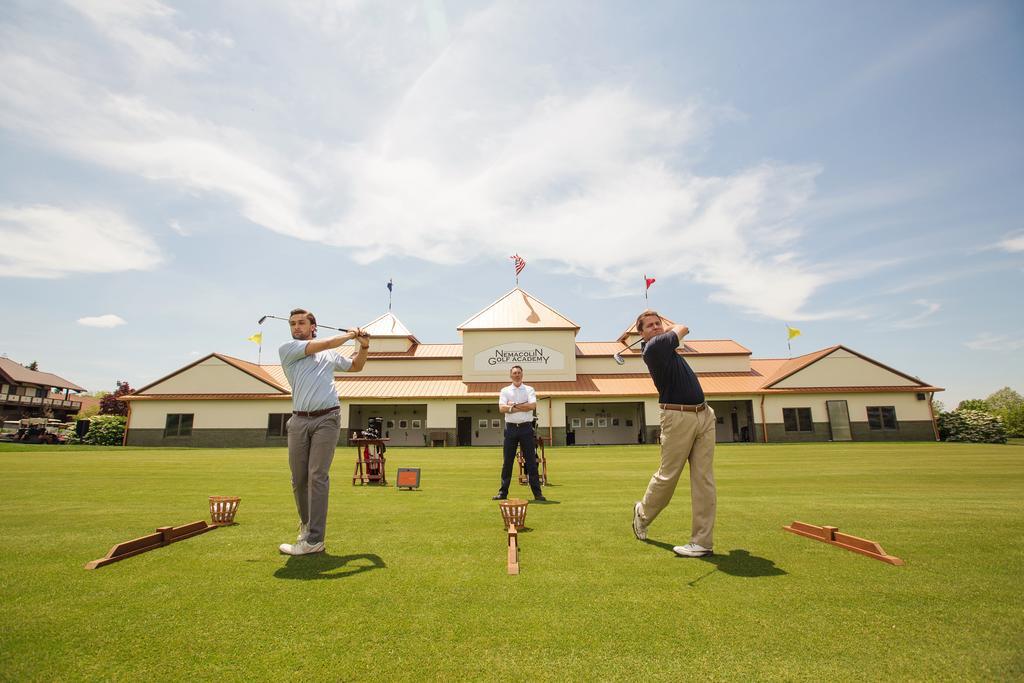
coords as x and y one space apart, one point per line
465 428
839 420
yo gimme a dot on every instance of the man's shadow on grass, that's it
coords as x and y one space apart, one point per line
738 562
325 566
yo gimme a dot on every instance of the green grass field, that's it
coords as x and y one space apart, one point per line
413 584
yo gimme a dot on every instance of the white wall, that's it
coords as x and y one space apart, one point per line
214 414
843 369
212 376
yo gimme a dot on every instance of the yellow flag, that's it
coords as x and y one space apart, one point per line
793 332
257 338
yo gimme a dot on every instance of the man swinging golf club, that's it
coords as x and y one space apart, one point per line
687 435
315 424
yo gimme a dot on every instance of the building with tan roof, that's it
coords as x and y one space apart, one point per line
430 394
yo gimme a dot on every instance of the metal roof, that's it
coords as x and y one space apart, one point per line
518 310
19 374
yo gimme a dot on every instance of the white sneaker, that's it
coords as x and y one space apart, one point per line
639 528
692 550
303 532
303 547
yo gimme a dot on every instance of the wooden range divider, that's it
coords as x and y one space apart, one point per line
832 536
513 549
165 535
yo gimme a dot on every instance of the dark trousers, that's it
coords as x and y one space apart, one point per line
520 435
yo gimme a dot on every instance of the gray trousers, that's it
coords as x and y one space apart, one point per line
311 442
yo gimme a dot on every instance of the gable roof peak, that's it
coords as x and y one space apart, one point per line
517 309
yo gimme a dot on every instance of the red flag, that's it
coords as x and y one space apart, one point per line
649 280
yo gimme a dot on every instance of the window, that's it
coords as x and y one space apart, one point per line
576 423
416 424
391 424
179 424
482 423
882 417
496 424
602 422
797 419
590 422
403 424
275 424
615 422
629 423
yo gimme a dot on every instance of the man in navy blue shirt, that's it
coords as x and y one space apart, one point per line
687 435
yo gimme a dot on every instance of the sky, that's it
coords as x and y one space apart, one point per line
172 171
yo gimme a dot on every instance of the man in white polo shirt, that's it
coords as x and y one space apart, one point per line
518 401
315 424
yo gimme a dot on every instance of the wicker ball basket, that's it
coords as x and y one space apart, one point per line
223 508
513 511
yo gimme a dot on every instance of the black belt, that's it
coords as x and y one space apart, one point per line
315 413
517 425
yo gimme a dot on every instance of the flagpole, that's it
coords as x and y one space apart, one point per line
645 288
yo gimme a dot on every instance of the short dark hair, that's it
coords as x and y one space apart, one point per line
309 316
514 367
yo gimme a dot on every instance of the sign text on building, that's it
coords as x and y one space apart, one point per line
529 356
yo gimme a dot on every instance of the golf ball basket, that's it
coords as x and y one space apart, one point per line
223 509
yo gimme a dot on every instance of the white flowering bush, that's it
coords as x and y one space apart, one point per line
974 426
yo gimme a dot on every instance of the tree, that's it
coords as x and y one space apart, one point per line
33 366
974 404
1004 399
111 403
938 407
1013 420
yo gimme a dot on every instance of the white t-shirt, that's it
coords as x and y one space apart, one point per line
524 393
311 377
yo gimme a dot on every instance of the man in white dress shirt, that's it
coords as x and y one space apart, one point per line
518 401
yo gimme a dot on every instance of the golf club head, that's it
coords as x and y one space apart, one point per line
261 320
619 360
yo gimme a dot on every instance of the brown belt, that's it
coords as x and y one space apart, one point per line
315 413
684 408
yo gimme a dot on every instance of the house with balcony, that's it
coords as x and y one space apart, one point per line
30 393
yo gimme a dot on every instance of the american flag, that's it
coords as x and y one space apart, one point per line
520 263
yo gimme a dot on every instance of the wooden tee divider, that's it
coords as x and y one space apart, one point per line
832 536
164 535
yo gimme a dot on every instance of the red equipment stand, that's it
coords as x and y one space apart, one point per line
370 461
542 464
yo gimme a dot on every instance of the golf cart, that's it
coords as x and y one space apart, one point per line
36 430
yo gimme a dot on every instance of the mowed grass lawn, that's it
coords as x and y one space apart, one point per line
414 584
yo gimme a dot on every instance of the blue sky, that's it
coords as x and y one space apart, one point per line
170 172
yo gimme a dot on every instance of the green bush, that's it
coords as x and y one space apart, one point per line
974 426
104 430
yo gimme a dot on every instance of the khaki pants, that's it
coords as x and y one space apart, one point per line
686 437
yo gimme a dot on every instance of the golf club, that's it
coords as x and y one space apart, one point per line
617 356
276 317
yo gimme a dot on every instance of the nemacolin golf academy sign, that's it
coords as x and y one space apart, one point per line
529 356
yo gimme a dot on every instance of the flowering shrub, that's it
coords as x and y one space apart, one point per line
104 430
974 426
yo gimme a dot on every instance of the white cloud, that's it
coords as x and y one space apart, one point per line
108 320
179 228
136 26
467 165
50 242
1012 244
987 341
921 318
